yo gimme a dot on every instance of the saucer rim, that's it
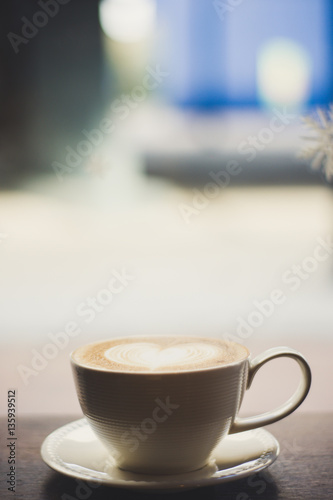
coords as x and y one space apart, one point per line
168 482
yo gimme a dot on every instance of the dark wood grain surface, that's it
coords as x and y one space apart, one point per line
304 469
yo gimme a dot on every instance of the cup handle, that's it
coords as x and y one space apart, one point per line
248 423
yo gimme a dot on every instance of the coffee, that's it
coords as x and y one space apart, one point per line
161 404
159 354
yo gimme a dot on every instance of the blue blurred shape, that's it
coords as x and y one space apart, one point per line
211 47
193 49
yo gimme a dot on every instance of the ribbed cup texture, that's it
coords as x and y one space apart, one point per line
165 423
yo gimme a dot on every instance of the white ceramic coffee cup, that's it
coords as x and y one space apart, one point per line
170 422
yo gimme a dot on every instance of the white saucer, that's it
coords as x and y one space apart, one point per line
75 451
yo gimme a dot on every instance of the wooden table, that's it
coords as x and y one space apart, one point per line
302 471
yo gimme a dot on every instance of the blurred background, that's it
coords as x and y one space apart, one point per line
159 140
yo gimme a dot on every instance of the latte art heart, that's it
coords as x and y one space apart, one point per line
159 354
153 356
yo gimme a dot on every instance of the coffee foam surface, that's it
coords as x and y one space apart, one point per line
162 354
